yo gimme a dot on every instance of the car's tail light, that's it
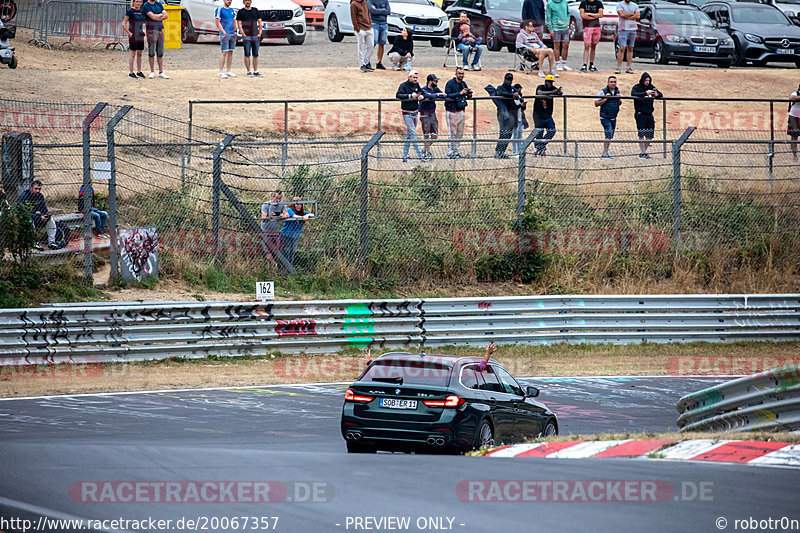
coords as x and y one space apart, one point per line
450 401
351 396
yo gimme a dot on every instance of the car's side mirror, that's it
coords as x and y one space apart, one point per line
531 392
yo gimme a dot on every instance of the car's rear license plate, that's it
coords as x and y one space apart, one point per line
787 51
705 49
423 29
394 403
273 26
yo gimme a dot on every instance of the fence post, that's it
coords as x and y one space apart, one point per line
216 187
380 128
474 131
364 195
88 263
564 98
676 184
189 155
112 193
523 150
664 128
575 163
285 149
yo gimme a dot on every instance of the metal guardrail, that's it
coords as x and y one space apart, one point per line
140 331
768 401
98 21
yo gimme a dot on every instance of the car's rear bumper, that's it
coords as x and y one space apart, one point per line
452 431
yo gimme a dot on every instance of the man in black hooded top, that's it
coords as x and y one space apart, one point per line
644 92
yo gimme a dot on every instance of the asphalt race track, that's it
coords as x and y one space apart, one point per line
287 437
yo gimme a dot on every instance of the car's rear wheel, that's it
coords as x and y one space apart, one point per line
660 55
485 436
493 38
360 447
438 43
188 33
333 30
550 430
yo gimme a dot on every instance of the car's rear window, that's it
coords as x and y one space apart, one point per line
412 371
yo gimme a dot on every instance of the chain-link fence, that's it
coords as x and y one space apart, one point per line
383 212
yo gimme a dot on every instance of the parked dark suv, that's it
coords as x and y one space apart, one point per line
760 32
496 21
674 32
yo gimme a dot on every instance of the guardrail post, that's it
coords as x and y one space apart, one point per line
523 150
112 193
285 148
363 225
216 187
676 184
88 196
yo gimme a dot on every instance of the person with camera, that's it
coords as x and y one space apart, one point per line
410 93
644 92
455 107
522 122
543 114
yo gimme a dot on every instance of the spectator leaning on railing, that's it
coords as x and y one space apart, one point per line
609 104
543 114
410 93
644 92
457 93
427 113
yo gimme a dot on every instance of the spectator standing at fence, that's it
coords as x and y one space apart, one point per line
293 228
533 10
557 19
522 122
506 113
427 113
272 214
133 24
99 217
469 43
410 93
543 113
378 11
249 24
528 42
644 92
402 51
33 199
591 12
609 103
362 27
154 27
793 124
225 19
628 13
455 107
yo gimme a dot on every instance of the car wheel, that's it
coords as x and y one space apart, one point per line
550 430
485 436
573 27
659 53
493 38
360 447
13 63
438 43
296 39
738 57
333 30
188 33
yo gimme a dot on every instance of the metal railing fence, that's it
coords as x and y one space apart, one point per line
96 21
132 332
767 401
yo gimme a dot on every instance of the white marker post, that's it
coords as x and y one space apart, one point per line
265 290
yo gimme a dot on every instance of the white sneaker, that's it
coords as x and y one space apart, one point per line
222 75
231 74
163 76
542 74
554 73
558 65
564 66
152 75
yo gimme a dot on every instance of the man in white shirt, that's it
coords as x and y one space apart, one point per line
528 40
628 13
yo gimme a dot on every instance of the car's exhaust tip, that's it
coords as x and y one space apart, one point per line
435 440
352 435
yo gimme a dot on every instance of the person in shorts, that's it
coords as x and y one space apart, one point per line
793 126
378 11
154 26
609 109
557 17
133 24
224 17
249 24
591 12
628 13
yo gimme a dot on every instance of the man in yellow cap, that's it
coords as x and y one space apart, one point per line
543 113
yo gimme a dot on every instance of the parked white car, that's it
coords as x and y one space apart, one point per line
281 18
426 20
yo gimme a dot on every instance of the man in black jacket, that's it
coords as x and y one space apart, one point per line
410 93
457 93
644 92
543 114
33 199
506 114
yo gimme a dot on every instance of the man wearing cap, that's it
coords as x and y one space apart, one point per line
457 93
543 113
427 113
506 114
410 93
